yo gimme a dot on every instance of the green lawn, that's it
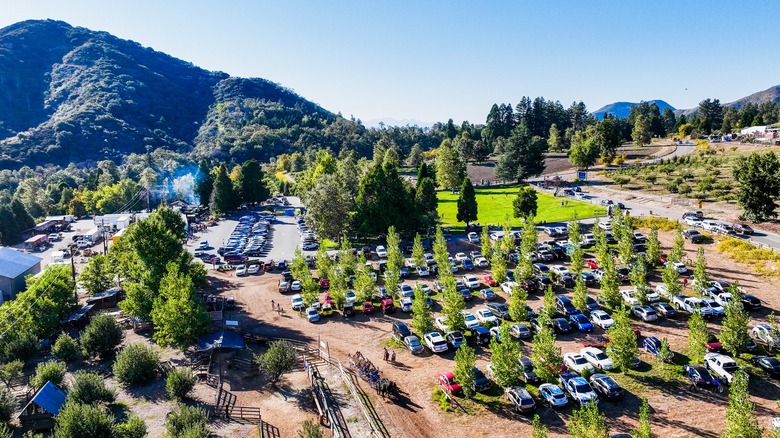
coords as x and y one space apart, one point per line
495 206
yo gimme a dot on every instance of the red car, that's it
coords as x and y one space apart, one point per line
368 307
489 280
324 282
268 266
447 383
592 264
328 299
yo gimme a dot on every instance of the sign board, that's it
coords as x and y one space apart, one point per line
581 174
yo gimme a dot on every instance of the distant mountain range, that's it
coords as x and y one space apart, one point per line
623 109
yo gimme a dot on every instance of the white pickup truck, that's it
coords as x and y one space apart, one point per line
721 365
691 305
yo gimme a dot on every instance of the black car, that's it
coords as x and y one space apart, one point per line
693 235
466 294
530 286
588 279
287 275
527 370
770 365
566 281
400 331
501 310
698 375
664 309
592 304
750 302
481 383
455 339
560 325
606 386
610 238
558 252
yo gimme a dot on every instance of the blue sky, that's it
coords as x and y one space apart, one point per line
434 60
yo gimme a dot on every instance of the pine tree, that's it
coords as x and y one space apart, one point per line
223 196
548 304
622 347
545 355
324 262
422 318
498 266
588 422
653 247
697 337
517 302
741 421
204 182
528 243
735 337
678 248
644 430
525 203
671 279
465 359
427 202
449 167
467 203
251 185
638 278
395 262
486 243
522 157
610 284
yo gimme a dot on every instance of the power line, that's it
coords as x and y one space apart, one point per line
27 310
10 312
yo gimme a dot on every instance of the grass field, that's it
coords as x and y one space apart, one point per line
495 206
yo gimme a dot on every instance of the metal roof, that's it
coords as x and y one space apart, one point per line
222 339
14 263
78 314
50 398
106 294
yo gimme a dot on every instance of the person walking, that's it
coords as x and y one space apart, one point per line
273 305
685 282
386 354
392 358
717 388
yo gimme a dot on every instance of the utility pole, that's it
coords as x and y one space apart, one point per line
73 249
103 233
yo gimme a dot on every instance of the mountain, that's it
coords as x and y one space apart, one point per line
69 94
623 109
771 94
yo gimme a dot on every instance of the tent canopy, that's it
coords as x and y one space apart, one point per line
222 339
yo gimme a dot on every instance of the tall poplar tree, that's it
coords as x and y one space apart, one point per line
467 203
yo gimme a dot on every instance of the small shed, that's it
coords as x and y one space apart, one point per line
37 241
79 317
105 300
39 413
14 267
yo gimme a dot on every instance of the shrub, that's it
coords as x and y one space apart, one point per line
440 398
179 383
5 432
136 364
83 421
23 346
310 429
134 427
684 189
102 336
662 223
11 371
65 348
278 360
89 388
7 404
186 421
51 371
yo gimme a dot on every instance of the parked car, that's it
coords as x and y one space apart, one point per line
606 386
526 369
455 339
553 395
296 302
368 308
664 309
693 235
487 294
652 345
560 325
597 358
521 399
401 330
500 310
601 319
488 279
770 365
742 228
645 313
406 304
481 383
578 388
581 322
520 331
765 335
435 342
698 375
381 252
473 237
576 362
447 382
721 365
485 316
312 314
413 344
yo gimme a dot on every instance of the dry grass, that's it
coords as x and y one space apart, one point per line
662 223
765 262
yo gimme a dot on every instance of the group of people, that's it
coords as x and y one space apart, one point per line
389 355
276 307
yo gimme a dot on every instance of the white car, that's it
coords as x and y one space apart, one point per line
629 296
471 281
679 266
471 321
459 257
597 358
576 362
560 270
481 262
692 221
422 271
440 324
494 237
765 334
601 319
580 196
297 302
722 298
241 270
509 286
716 308
709 225
484 315
587 239
201 245
435 342
381 252
406 304
312 314
405 290
605 225
295 286
425 288
721 365
553 395
581 391
473 237
253 269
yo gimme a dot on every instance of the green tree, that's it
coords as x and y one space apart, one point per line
625 244
503 359
251 185
486 245
450 170
641 132
177 314
517 302
347 258
329 205
622 347
653 247
700 270
555 142
98 275
610 284
698 336
665 354
588 422
223 196
498 266
277 361
415 158
758 185
538 430
548 301
364 284
671 279
324 262
584 151
204 182
522 157
338 289
580 294
136 364
187 422
310 429
467 203
89 388
735 337
65 348
545 355
644 430
678 247
440 253
179 383
418 252
453 306
524 204
11 371
133 427
102 336
638 279
741 421
422 317
77 420
395 261
51 371
527 245
8 405
465 359
427 203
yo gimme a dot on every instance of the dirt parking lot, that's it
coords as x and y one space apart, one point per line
677 412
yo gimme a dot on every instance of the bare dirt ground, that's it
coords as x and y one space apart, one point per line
677 412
